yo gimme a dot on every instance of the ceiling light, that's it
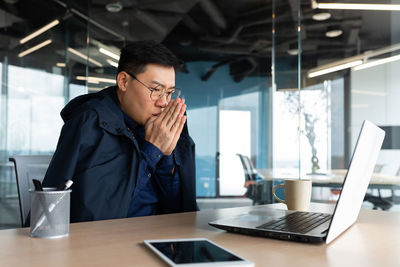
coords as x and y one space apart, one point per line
108 53
95 80
79 54
356 61
40 31
33 49
321 16
112 63
95 89
125 23
359 106
293 52
114 7
84 78
60 64
333 33
323 71
377 62
364 92
383 7
288 90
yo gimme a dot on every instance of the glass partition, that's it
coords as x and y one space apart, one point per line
36 83
285 83
352 54
74 50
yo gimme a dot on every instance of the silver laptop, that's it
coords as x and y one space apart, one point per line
311 226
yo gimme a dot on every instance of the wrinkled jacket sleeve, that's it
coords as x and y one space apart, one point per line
168 185
185 154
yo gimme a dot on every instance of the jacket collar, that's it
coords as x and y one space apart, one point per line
110 114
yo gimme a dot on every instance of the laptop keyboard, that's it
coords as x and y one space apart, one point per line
297 222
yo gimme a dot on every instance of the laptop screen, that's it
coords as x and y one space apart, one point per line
357 179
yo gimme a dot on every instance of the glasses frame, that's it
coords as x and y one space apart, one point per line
152 90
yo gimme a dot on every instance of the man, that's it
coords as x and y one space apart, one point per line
127 147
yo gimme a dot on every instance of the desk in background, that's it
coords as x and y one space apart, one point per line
333 179
373 241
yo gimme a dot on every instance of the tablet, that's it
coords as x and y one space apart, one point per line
195 252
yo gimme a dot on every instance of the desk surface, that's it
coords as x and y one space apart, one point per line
373 241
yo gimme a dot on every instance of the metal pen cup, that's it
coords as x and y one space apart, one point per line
49 213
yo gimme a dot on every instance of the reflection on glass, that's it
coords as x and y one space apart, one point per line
35 99
194 252
374 96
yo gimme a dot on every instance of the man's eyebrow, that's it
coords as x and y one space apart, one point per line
158 83
162 85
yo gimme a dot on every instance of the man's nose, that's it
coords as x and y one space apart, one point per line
162 101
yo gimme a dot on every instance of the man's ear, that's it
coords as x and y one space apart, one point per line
122 80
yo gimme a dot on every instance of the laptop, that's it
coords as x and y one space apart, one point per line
312 226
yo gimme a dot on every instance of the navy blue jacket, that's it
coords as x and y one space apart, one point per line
101 155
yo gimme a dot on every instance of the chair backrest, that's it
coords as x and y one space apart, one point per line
26 169
258 189
245 167
248 167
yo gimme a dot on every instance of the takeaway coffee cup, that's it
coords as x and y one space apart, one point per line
49 213
297 194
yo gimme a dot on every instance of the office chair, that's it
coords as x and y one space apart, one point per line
377 201
380 202
258 189
26 169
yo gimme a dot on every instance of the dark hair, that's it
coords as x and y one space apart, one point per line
135 56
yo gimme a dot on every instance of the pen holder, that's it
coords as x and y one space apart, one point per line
49 213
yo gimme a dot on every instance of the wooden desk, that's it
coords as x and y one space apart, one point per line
373 241
333 179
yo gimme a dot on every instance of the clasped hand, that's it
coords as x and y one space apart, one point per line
164 130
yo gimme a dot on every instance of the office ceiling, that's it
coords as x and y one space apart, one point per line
234 32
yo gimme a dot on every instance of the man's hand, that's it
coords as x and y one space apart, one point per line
164 130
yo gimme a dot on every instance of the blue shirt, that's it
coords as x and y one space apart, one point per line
157 179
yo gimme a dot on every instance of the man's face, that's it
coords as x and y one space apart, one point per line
134 96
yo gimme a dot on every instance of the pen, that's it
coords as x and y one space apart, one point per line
66 186
37 184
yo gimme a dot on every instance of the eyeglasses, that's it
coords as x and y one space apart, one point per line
157 93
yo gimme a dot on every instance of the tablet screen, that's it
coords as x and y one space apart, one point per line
197 251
